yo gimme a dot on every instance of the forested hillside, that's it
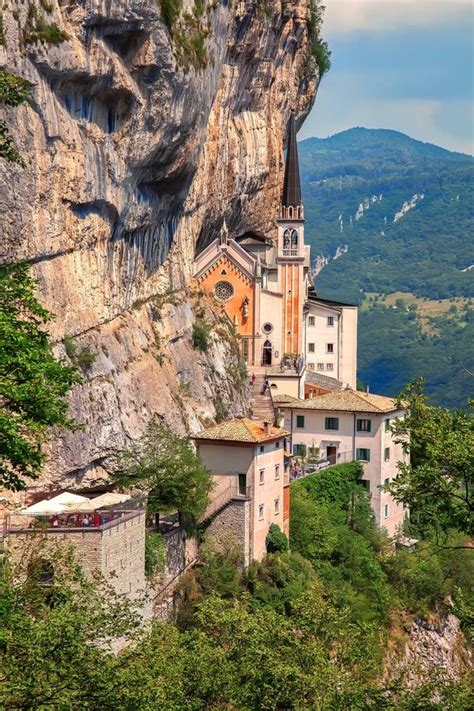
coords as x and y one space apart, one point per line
388 216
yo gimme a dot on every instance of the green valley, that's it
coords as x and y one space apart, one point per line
389 220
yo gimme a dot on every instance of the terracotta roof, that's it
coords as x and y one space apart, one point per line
326 381
344 401
241 430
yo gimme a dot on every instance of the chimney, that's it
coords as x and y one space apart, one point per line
367 390
266 427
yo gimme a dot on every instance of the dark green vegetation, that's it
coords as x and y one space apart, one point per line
33 383
426 252
200 335
14 91
188 30
318 47
38 29
437 484
166 467
302 630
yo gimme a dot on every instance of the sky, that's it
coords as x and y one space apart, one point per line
400 64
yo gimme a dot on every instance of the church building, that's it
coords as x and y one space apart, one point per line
266 289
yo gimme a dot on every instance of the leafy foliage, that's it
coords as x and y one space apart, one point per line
14 91
438 481
37 29
155 554
200 336
276 541
165 466
319 48
33 384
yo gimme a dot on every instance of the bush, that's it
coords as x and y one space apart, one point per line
155 554
276 541
201 331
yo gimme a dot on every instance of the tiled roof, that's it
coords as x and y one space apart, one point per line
325 380
344 401
241 430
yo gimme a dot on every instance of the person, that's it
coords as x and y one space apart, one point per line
253 378
86 520
266 385
96 519
54 521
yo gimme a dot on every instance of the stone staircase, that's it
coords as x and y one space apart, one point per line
261 405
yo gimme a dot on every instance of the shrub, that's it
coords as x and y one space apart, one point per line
276 541
222 409
155 554
201 331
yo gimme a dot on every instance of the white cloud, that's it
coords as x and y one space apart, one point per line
344 16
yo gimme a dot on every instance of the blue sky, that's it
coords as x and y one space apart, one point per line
400 64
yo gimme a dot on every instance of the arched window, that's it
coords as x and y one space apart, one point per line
294 239
286 239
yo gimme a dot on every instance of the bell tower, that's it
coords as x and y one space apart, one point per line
291 257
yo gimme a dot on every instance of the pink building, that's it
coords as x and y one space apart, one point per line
247 459
350 425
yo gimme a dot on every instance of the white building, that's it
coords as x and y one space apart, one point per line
348 425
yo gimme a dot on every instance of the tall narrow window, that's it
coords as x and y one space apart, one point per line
260 512
277 471
387 425
329 347
262 476
300 421
386 454
311 347
311 321
330 320
277 506
385 511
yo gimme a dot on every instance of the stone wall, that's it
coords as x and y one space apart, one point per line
232 526
118 552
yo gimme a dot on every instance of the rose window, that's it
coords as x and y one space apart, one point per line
223 291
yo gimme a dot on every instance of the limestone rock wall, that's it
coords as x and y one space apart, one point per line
138 145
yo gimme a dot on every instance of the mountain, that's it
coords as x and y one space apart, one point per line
389 220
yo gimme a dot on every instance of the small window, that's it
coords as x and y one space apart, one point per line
387 425
311 347
330 320
260 512
299 450
385 511
329 347
277 445
365 483
311 321
329 366
277 471
310 366
300 421
363 455
262 448
262 476
331 423
277 506
386 454
267 328
364 425
320 366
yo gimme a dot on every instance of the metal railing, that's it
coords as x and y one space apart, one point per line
321 464
232 492
67 523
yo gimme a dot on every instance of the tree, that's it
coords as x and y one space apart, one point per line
33 384
56 640
276 541
165 466
13 92
438 481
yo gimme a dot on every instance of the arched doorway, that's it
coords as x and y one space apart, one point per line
267 353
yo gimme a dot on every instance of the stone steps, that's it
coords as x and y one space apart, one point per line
261 405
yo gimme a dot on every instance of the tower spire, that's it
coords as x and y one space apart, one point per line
291 187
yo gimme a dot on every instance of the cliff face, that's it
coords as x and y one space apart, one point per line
139 141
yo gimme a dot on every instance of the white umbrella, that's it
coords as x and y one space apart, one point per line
86 506
110 499
56 505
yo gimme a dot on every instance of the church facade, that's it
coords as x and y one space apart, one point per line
266 289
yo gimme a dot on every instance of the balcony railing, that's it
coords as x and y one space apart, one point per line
232 492
292 253
67 523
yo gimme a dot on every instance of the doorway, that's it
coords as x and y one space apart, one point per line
242 484
267 353
331 454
